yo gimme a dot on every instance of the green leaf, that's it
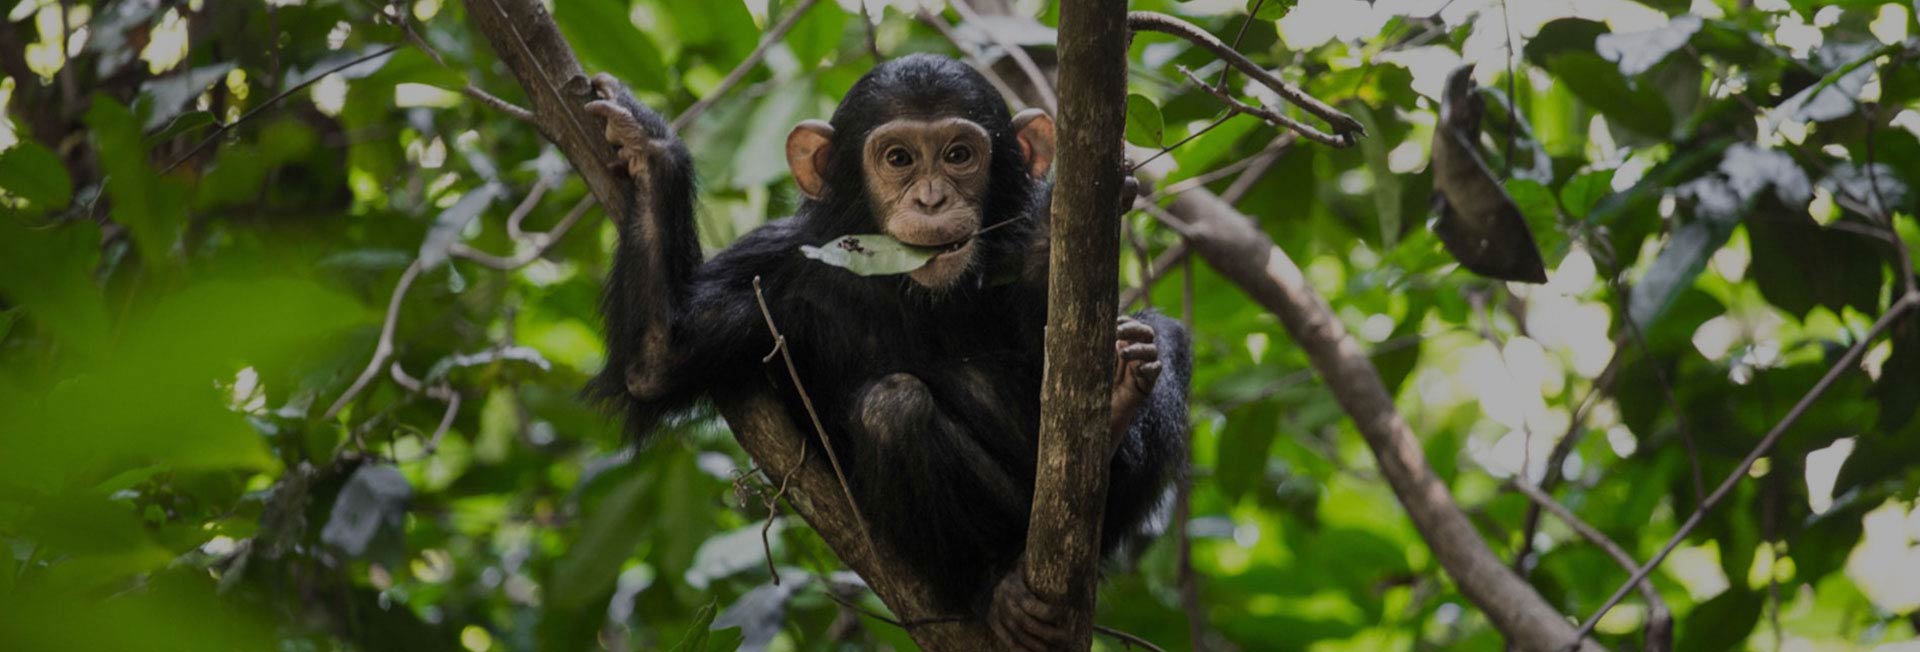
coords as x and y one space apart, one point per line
1599 84
172 93
1686 253
1720 623
606 40
697 634
1270 9
1584 192
34 173
148 205
1145 127
870 254
1386 184
1245 444
181 124
817 35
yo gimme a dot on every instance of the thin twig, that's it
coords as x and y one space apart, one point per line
1252 12
512 110
1231 111
1171 256
773 509
1845 363
1272 116
1659 618
383 348
1127 639
793 372
1576 426
1272 150
747 65
1342 124
224 128
1048 100
542 242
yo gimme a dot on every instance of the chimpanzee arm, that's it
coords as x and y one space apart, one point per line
655 260
1155 440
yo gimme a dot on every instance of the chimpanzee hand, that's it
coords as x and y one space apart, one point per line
1136 368
1023 621
623 130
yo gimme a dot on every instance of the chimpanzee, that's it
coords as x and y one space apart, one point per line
928 383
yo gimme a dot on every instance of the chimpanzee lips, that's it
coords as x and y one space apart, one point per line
944 248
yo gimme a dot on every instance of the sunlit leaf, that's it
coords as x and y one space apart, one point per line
1144 125
34 173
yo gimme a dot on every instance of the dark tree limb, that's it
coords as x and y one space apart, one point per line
1236 247
1070 488
526 39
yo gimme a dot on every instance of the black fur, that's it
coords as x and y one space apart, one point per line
943 465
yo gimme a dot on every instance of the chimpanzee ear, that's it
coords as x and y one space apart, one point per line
1034 129
807 148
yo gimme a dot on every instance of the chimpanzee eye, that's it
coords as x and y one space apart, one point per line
899 157
959 154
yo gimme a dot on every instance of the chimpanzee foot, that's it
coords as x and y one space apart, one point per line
1023 621
1136 369
628 136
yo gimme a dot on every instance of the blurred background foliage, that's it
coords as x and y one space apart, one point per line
200 245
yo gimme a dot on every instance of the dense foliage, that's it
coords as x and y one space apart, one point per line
201 247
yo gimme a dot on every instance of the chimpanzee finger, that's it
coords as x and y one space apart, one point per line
1146 374
1140 352
1134 331
606 86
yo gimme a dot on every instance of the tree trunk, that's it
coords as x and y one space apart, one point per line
1063 540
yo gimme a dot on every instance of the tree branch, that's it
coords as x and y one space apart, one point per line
1236 247
1345 128
1070 488
1659 618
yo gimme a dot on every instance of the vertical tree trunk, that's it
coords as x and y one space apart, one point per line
1063 541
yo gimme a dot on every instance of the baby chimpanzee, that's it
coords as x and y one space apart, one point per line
928 383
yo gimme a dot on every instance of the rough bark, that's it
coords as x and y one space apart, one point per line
1063 540
526 39
1236 247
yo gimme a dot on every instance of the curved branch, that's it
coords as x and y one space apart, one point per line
1236 247
1343 125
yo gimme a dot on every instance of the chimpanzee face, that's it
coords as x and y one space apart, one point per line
925 179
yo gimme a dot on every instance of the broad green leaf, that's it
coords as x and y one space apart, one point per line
1386 184
1720 624
34 173
1585 191
1798 264
817 36
606 40
870 254
1244 446
1144 124
1270 9
1599 84
1673 271
148 205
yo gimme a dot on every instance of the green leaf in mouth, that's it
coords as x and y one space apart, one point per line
871 254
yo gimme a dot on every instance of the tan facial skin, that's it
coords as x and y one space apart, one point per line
927 180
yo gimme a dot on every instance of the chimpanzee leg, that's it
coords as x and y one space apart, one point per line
958 512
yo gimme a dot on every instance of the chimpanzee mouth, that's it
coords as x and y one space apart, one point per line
946 248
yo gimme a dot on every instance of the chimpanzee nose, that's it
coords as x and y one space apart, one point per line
929 198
